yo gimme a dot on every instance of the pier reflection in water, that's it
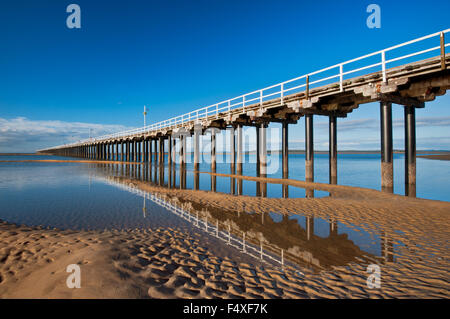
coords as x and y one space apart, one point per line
182 178
304 240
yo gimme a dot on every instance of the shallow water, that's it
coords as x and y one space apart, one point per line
360 170
96 196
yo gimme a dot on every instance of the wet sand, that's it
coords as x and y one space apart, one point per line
168 263
441 157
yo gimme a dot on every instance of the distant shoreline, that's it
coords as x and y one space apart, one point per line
18 154
437 155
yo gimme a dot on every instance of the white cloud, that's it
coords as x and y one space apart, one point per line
428 121
348 125
24 135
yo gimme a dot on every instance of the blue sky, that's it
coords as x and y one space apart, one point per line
58 84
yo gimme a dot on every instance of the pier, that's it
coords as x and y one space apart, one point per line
389 77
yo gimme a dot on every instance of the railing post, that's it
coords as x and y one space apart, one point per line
307 87
443 66
260 98
282 93
383 65
341 84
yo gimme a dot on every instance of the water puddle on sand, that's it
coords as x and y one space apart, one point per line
300 240
176 178
111 196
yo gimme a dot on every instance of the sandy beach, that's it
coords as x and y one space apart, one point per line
168 263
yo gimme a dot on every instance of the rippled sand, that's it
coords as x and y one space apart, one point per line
160 263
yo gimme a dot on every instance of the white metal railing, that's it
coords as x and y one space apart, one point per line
281 90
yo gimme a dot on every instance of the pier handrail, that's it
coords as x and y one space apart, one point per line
260 95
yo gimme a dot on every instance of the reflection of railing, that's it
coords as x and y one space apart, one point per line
296 244
299 84
214 230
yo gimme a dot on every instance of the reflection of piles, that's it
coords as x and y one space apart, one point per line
250 243
294 254
287 239
204 221
299 245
